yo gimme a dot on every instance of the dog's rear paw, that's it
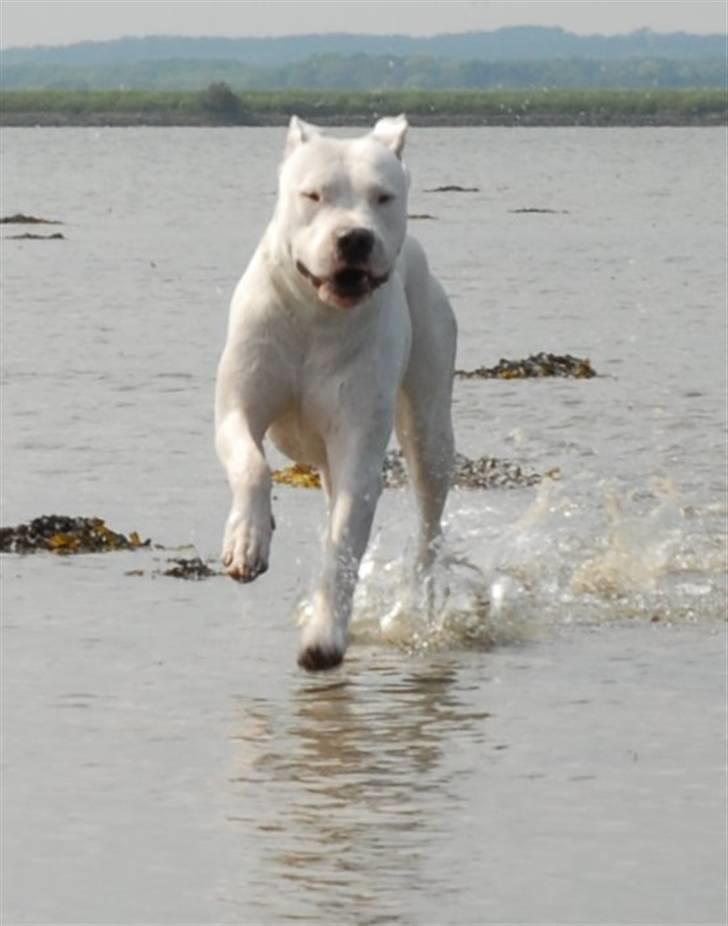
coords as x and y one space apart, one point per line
245 549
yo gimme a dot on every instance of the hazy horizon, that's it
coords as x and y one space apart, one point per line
26 23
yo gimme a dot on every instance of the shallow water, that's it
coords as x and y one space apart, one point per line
551 749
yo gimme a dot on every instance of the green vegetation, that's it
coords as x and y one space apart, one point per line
218 104
82 102
335 71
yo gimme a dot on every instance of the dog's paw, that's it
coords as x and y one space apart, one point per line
321 647
317 659
246 547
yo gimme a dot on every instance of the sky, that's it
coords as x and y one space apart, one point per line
61 22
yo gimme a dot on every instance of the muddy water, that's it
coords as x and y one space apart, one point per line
551 749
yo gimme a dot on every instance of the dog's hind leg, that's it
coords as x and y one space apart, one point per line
425 436
424 419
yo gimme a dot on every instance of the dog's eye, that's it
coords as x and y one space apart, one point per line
385 198
312 195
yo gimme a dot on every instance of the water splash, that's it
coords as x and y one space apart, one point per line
508 572
639 548
471 598
458 605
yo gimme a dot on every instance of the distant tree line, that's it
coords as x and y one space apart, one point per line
513 43
366 72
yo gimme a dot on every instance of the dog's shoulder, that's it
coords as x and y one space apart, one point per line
258 291
412 262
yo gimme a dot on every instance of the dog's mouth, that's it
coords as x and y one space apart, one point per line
346 287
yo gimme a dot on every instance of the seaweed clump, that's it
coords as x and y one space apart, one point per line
63 534
20 218
29 236
300 476
193 568
478 473
454 188
535 366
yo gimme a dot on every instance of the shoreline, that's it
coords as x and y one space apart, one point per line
162 119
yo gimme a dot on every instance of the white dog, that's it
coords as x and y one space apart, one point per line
338 333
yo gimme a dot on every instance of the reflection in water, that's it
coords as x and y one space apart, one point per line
346 792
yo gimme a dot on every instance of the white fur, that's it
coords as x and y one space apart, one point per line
327 372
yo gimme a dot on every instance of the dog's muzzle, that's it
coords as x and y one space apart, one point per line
347 286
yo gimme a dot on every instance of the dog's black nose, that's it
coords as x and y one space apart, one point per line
355 245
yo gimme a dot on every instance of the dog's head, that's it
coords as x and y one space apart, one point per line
341 216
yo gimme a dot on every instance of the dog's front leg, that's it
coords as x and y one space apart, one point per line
249 526
356 484
252 389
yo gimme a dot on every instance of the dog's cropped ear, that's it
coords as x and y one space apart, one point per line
391 131
299 132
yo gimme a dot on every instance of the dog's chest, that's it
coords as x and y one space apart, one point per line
299 436
299 429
